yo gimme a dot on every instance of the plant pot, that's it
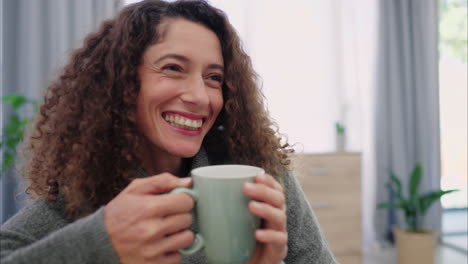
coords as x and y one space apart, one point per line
415 247
340 142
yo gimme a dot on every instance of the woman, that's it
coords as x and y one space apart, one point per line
159 90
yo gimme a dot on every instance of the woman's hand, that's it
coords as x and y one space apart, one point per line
270 206
148 228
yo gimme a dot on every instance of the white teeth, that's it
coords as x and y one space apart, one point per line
182 122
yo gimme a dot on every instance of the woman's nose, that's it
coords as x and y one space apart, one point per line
195 92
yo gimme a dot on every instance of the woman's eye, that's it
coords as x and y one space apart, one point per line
172 67
217 78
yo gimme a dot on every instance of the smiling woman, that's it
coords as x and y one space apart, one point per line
159 90
181 81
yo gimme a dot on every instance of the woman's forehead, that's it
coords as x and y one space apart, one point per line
187 38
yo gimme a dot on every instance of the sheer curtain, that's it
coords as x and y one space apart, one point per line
37 37
316 59
407 112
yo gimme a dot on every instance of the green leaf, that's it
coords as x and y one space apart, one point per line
340 129
13 129
12 141
15 100
386 205
415 180
415 206
412 221
427 199
400 203
24 122
8 161
14 118
397 183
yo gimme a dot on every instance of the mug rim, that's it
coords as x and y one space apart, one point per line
238 171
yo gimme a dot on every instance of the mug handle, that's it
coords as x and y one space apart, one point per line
198 242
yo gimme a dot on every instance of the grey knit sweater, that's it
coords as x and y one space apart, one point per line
40 233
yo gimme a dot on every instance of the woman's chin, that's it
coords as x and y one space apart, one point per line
185 151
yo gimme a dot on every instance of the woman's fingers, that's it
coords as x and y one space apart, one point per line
274 218
175 223
264 193
273 237
276 243
165 249
167 204
269 205
174 242
268 180
155 229
157 184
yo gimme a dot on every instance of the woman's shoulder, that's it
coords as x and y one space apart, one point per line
37 219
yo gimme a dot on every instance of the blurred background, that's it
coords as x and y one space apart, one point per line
361 88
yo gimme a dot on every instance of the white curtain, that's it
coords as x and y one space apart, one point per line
37 37
46 32
407 103
317 62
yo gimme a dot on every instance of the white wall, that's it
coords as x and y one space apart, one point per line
315 59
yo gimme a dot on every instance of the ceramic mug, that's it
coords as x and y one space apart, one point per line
226 226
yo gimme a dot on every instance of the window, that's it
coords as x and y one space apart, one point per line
453 120
453 100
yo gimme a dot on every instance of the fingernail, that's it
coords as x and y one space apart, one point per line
185 180
250 186
256 205
260 233
261 177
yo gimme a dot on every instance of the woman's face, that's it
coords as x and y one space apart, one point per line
180 87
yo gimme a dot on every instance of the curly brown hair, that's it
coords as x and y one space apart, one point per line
85 141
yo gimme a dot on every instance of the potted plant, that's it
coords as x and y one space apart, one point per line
414 244
14 129
340 137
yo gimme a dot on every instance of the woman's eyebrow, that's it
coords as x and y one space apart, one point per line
216 66
186 60
172 56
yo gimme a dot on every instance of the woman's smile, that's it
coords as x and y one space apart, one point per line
184 123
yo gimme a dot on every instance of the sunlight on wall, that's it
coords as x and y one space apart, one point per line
315 62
